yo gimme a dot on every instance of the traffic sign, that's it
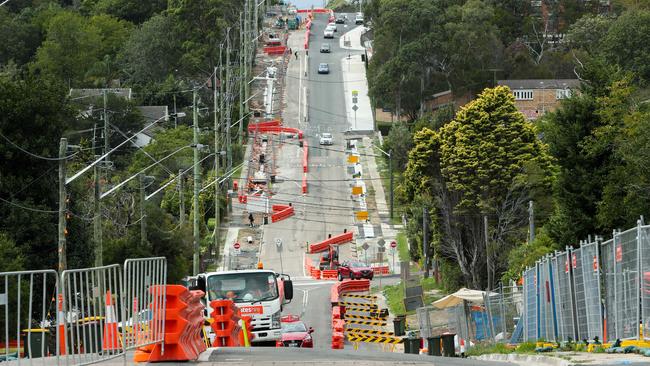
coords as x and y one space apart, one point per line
355 108
381 242
278 242
393 244
365 246
237 248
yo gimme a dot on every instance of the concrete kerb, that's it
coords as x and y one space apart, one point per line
528 360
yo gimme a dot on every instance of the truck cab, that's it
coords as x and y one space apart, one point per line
260 294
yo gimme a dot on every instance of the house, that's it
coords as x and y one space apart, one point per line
151 113
535 97
430 104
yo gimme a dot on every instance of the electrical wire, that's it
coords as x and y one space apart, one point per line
33 154
28 208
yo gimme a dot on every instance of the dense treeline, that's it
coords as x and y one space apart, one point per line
584 165
161 50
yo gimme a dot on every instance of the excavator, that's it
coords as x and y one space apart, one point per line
330 259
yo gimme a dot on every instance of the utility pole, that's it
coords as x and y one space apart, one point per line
217 156
181 195
228 102
143 214
487 253
63 148
531 221
197 182
390 172
175 115
107 143
242 74
97 218
425 239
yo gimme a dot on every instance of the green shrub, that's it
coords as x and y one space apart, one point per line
526 347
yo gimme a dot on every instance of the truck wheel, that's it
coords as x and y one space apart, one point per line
340 277
351 276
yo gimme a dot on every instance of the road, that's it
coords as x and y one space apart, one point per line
326 208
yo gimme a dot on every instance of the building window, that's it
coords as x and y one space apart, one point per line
523 94
562 93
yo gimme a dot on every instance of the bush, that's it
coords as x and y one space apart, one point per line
526 347
483 349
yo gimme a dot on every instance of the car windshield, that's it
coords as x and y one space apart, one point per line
357 265
322 66
243 287
293 327
327 135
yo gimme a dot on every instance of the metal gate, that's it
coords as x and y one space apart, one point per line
563 298
607 263
627 286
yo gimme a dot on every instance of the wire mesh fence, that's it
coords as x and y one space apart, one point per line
592 296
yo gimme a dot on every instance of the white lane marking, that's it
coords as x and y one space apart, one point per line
304 271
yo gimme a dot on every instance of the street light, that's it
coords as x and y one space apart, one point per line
390 172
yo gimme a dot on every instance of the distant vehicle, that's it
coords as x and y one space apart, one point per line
358 19
332 26
295 333
340 19
323 68
325 48
354 270
328 33
326 138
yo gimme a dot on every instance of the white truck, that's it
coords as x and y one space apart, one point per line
260 294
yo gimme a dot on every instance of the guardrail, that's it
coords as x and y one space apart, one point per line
381 270
346 237
305 155
281 212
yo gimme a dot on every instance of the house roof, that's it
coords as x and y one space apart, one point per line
152 113
122 92
540 83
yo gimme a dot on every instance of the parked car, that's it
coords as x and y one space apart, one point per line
358 19
332 26
354 270
328 33
326 139
323 68
340 19
295 333
325 48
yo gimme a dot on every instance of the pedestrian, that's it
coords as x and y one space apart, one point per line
290 51
296 54
251 218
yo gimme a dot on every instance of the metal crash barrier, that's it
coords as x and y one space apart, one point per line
83 316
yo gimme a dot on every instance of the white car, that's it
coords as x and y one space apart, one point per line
328 33
326 139
358 19
332 26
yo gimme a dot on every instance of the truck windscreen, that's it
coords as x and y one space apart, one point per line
242 287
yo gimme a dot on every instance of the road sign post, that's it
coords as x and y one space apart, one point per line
393 246
278 244
365 247
237 248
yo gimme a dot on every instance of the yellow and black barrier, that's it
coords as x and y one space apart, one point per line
365 317
374 339
360 331
357 304
380 323
356 296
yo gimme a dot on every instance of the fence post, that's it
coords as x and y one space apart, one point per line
638 278
614 232
537 280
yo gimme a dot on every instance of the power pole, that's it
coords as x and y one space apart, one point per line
181 195
228 102
242 74
425 239
97 219
390 172
217 156
143 214
531 221
63 148
107 143
487 253
197 182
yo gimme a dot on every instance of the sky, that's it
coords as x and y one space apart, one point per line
300 4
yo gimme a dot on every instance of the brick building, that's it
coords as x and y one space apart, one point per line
535 97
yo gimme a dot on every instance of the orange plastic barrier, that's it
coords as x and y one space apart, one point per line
254 126
275 50
243 198
315 273
305 155
308 26
336 312
329 274
277 129
225 323
183 325
307 39
281 212
316 10
304 183
247 320
337 340
347 286
338 325
323 245
380 270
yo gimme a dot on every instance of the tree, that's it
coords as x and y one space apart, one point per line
628 43
588 33
399 142
131 10
22 38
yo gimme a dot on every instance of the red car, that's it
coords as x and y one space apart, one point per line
295 333
355 270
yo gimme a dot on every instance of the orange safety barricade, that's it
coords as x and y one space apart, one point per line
338 239
225 323
281 212
304 183
183 319
329 274
315 273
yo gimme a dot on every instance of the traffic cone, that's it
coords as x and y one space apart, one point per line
60 318
111 341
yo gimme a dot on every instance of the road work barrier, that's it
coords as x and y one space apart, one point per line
379 323
305 154
281 212
374 339
225 324
364 317
252 127
304 183
346 237
307 39
275 50
358 305
315 273
369 332
183 319
275 128
329 274
357 296
347 286
380 270
316 10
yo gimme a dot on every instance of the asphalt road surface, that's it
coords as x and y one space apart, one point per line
326 208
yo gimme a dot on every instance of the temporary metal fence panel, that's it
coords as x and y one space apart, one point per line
563 297
644 239
93 305
627 287
591 280
530 304
424 321
609 294
579 294
144 291
512 309
28 325
546 329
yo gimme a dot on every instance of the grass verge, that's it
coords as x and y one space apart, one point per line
394 295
